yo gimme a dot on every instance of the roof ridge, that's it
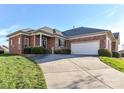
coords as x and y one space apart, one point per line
86 27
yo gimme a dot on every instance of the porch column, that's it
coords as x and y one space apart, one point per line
40 39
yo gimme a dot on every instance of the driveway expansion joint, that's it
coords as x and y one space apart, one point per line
62 72
91 74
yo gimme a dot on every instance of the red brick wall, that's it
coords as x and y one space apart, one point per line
102 39
50 42
113 46
67 44
14 48
37 40
31 41
22 41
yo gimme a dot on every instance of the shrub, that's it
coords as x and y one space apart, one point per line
27 50
122 54
8 54
116 54
105 52
62 51
35 50
39 50
1 51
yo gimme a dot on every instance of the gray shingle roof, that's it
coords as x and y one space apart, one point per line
81 31
116 35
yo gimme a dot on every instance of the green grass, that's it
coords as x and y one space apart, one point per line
116 63
18 72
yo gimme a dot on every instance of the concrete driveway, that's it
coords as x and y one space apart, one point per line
78 72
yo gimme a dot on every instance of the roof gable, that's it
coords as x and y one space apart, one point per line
116 35
26 31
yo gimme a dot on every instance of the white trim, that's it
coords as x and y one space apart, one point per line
60 37
86 41
83 36
19 34
46 34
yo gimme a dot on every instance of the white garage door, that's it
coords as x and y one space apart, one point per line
87 48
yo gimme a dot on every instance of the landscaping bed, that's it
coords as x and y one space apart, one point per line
19 72
116 63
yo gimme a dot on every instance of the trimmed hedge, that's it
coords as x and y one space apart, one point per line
104 52
1 52
116 54
122 54
39 50
27 50
35 50
62 51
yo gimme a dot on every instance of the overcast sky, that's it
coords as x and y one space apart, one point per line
62 17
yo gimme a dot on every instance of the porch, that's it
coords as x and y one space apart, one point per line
41 39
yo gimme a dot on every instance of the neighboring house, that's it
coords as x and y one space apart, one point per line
82 40
4 48
1 49
121 51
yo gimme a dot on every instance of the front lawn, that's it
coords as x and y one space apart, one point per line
114 62
20 72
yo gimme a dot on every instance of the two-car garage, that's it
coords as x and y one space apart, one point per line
86 48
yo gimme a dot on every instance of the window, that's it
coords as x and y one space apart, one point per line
11 42
44 42
26 42
61 43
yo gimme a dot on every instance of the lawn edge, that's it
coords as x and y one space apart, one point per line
31 59
116 68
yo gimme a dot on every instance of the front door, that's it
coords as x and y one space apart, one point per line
44 41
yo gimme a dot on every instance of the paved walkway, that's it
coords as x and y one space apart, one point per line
76 72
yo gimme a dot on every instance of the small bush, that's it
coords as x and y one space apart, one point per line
1 51
39 50
116 54
122 54
105 52
8 54
62 51
27 50
35 50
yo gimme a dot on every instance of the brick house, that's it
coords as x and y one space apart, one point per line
82 40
